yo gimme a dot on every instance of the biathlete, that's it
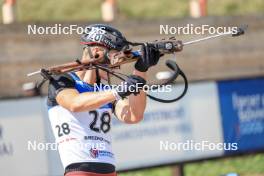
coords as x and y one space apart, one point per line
80 113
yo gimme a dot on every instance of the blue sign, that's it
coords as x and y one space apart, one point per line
242 111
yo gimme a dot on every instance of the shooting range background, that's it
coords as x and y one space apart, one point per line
222 58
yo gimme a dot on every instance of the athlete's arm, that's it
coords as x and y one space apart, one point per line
62 91
131 110
74 101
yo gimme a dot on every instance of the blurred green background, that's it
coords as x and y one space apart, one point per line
80 10
251 165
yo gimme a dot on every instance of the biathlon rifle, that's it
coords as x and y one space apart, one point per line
169 46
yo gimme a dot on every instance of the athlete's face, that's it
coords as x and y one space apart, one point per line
96 51
111 54
99 53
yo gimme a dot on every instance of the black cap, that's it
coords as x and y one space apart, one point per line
105 35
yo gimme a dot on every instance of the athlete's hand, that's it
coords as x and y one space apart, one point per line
150 57
132 85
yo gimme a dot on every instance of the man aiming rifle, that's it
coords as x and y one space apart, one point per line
80 113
